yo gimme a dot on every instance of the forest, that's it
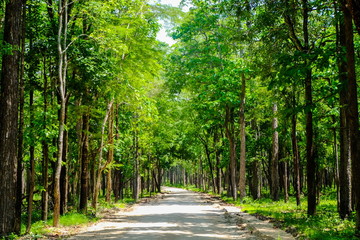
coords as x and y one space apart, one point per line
256 100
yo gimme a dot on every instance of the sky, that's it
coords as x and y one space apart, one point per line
162 35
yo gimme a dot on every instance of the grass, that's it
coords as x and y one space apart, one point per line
40 228
325 225
105 205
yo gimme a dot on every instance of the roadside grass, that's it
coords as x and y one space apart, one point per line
325 225
40 228
102 204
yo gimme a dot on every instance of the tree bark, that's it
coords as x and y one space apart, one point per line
256 180
345 193
64 187
31 177
286 185
62 70
208 157
159 175
217 157
275 157
45 151
229 127
21 118
353 115
85 160
110 156
136 176
311 162
9 94
101 166
242 170
295 152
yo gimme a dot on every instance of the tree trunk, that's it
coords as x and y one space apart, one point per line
21 119
295 152
286 185
229 127
85 160
217 157
136 177
116 185
110 156
256 180
31 177
62 70
242 170
353 115
159 176
345 193
45 192
57 175
274 189
45 151
208 156
256 168
101 166
9 221
64 187
311 163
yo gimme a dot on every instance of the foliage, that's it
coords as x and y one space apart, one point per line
326 224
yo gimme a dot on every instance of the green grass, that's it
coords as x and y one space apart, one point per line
105 205
70 219
326 224
75 219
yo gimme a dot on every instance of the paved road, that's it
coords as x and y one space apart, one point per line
179 214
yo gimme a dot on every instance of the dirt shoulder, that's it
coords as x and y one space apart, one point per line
263 228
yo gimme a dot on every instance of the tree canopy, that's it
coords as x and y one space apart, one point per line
255 100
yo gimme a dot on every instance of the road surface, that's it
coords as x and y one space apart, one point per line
179 214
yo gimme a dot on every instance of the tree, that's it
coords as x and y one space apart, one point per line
9 119
242 170
62 45
353 110
275 157
345 191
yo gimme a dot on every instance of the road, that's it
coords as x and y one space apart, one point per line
179 214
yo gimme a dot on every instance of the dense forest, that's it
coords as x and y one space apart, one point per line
256 99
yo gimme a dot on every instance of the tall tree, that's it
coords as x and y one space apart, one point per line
304 47
62 45
9 118
345 191
85 159
310 157
275 157
353 109
242 171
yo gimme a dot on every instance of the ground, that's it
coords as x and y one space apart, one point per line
181 214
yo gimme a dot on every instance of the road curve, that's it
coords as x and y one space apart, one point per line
179 214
